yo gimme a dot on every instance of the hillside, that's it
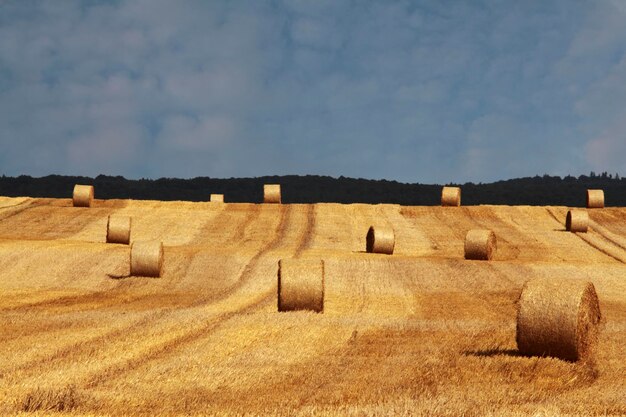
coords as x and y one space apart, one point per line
421 332
534 191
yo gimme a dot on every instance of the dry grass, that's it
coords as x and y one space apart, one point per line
424 332
595 199
146 258
558 318
577 221
380 240
83 195
451 196
119 229
301 285
480 245
271 193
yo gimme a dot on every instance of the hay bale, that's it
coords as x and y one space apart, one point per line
380 240
480 245
118 229
577 221
558 318
83 195
595 199
451 196
217 198
301 285
271 193
146 258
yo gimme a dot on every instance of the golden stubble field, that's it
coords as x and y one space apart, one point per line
421 332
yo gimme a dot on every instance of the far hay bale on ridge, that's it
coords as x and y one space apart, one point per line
480 245
271 193
595 199
301 285
118 229
146 258
451 196
577 221
380 240
558 318
83 195
217 198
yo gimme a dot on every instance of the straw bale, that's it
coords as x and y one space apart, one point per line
451 196
83 195
271 193
558 318
118 229
380 240
577 221
480 245
146 258
217 198
301 285
595 199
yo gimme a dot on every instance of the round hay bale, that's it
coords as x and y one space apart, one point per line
480 245
217 198
380 240
301 285
83 195
577 221
558 318
118 229
271 193
595 199
451 196
146 258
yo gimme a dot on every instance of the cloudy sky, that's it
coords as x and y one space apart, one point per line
414 91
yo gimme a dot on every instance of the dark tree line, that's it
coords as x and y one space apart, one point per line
538 190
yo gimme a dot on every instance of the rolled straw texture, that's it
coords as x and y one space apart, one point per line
83 195
217 198
595 199
380 240
480 245
558 318
301 285
451 196
118 229
271 193
146 258
577 221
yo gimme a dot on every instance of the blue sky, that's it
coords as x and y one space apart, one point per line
414 91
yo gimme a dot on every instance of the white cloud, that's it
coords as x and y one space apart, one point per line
415 91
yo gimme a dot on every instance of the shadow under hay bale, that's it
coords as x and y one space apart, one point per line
118 229
271 193
595 199
480 245
301 285
577 221
83 195
146 258
380 240
451 196
558 318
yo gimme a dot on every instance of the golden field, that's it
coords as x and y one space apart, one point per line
420 332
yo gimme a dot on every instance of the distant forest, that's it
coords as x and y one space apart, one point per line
538 190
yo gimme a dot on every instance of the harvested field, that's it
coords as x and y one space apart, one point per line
419 332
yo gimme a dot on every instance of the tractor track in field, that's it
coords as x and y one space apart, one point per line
594 245
308 232
148 322
109 296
